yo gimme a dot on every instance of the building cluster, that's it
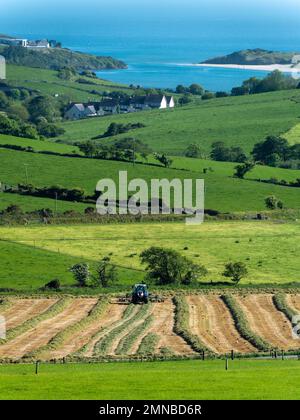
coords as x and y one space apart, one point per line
77 111
19 42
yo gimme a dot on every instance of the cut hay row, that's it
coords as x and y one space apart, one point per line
280 302
182 327
243 324
266 321
52 311
42 333
125 345
73 337
21 310
211 321
114 316
294 303
109 343
148 344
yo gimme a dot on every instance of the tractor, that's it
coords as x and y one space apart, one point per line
139 295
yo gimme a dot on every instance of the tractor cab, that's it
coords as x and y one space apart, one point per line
140 294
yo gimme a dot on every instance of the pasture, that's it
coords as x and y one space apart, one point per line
269 249
182 380
223 192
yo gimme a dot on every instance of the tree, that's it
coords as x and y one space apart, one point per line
3 100
106 273
166 266
235 271
242 170
193 151
163 159
273 203
43 106
18 111
196 89
89 148
184 100
271 150
81 273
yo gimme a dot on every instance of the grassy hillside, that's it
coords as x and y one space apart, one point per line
56 58
245 380
48 82
269 250
237 121
35 267
38 145
293 135
222 193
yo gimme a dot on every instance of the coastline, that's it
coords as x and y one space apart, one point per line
285 68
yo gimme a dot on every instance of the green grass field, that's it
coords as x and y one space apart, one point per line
28 203
238 121
223 193
29 268
47 82
270 250
182 380
38 145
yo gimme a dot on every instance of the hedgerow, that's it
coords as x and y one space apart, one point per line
31 323
5 304
242 324
127 342
181 326
59 339
104 344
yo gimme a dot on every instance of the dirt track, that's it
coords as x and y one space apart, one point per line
266 321
24 309
45 330
211 321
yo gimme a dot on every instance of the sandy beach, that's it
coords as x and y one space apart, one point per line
284 68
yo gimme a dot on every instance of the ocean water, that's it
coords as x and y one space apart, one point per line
160 44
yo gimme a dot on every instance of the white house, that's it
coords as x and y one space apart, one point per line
75 112
170 101
15 42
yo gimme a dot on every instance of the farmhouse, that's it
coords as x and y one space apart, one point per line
78 111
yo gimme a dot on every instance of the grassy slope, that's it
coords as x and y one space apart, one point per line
35 267
38 145
246 379
270 250
293 135
47 82
28 203
238 121
221 192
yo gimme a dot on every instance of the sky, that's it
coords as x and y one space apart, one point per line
33 17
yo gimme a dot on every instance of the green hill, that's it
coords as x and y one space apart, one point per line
57 58
223 192
237 121
256 56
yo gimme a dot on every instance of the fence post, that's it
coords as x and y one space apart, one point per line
226 364
203 355
37 363
232 354
275 354
282 355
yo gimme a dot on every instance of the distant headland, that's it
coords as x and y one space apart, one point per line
257 59
49 54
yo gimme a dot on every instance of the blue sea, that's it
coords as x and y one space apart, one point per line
160 40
